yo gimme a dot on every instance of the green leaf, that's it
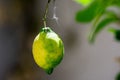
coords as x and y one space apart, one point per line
89 13
116 33
96 8
101 25
116 2
84 2
112 30
117 76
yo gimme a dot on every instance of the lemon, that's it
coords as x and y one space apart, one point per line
48 50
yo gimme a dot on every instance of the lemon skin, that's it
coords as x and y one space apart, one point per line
48 50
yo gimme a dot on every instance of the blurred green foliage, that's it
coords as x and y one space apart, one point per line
116 32
118 76
97 11
84 2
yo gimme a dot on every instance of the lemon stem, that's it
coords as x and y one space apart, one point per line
45 14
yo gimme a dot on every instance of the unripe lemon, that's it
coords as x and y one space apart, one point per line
48 50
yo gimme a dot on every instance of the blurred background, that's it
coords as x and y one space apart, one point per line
20 22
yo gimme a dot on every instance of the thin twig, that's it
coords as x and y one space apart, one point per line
45 14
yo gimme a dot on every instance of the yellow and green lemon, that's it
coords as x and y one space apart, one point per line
48 49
